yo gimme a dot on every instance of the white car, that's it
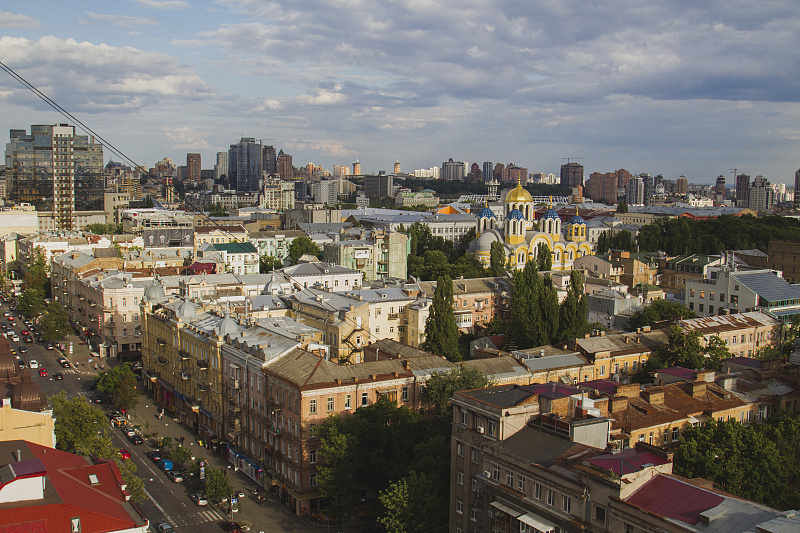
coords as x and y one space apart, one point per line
33 363
198 499
14 337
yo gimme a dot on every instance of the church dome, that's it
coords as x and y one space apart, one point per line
487 213
518 194
153 292
226 326
187 309
484 242
515 214
577 219
27 395
9 367
551 213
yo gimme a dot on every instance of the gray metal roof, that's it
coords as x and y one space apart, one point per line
539 364
768 285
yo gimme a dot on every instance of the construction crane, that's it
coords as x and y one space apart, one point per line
568 158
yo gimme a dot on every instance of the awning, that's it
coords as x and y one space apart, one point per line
537 522
506 509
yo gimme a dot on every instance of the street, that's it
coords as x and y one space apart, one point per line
166 501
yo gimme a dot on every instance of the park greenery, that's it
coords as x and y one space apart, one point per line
301 246
119 385
216 210
99 228
683 236
397 453
268 263
760 462
433 256
657 311
82 429
621 240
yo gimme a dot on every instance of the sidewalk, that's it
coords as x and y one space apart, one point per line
81 357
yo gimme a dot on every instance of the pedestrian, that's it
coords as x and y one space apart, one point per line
182 437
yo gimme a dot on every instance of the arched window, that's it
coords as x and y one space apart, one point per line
521 257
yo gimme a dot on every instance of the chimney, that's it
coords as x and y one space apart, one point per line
654 396
406 365
626 339
618 404
602 333
19 456
697 388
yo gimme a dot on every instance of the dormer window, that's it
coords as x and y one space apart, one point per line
93 479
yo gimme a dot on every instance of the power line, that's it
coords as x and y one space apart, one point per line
142 171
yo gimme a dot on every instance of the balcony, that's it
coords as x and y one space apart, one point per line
236 384
184 375
184 355
274 430
162 360
393 316
162 342
202 365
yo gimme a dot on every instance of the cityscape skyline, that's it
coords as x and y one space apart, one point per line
669 90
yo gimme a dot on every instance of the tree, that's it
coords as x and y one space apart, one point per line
180 455
337 481
268 263
441 331
216 210
104 229
413 504
102 448
31 302
573 313
217 487
441 386
300 246
657 311
715 351
524 330
549 311
77 423
119 384
622 207
683 349
544 258
497 259
55 322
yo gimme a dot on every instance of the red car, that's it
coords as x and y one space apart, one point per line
43 372
125 454
25 332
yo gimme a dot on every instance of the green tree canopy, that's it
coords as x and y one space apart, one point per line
441 386
268 263
217 485
216 210
687 350
55 322
657 311
413 504
119 384
300 246
77 422
497 259
573 319
104 229
544 258
441 331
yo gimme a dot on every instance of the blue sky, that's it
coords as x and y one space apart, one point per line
662 87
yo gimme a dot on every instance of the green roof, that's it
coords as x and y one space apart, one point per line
236 247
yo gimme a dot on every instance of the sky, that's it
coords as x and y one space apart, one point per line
673 88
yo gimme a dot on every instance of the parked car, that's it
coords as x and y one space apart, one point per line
64 362
23 349
164 528
43 372
24 332
125 454
198 499
49 346
176 477
154 456
27 338
58 376
165 465
33 364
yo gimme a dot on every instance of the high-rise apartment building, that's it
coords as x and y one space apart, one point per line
221 168
245 165
397 167
635 191
602 187
719 187
682 185
488 171
571 175
797 188
356 168
55 170
193 167
647 184
285 168
379 186
453 170
761 196
270 160
742 189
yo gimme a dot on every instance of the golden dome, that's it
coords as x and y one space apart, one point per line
518 195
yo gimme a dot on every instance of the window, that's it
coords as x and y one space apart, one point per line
347 402
405 394
463 416
312 407
537 491
313 429
602 370
474 455
566 504
460 449
496 473
330 403
550 497
675 434
364 399
628 528
312 456
312 479
509 478
599 514
473 513
460 506
460 477
492 428
700 308
521 483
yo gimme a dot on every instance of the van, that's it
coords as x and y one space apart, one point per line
165 465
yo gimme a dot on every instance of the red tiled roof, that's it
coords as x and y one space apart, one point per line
674 499
679 371
627 461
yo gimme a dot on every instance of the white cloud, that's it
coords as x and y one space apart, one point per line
184 138
14 20
166 4
120 20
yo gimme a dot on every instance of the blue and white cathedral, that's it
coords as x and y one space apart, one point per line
520 235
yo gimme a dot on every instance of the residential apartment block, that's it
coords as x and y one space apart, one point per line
379 255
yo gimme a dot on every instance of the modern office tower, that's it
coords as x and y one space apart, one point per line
572 176
488 171
285 168
221 168
719 187
55 170
647 184
635 191
682 185
797 188
742 189
397 167
761 195
245 165
356 168
453 170
193 167
379 186
270 159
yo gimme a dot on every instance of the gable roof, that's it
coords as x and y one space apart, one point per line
235 247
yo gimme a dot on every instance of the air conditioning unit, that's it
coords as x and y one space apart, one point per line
480 429
488 474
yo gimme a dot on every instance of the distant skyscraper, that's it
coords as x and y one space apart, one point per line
761 196
682 185
742 189
270 160
221 168
356 168
488 171
55 170
647 184
245 165
453 170
572 176
797 189
285 167
719 187
397 167
193 167
635 191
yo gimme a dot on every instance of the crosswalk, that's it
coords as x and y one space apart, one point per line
199 517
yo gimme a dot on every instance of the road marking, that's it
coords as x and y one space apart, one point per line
169 518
